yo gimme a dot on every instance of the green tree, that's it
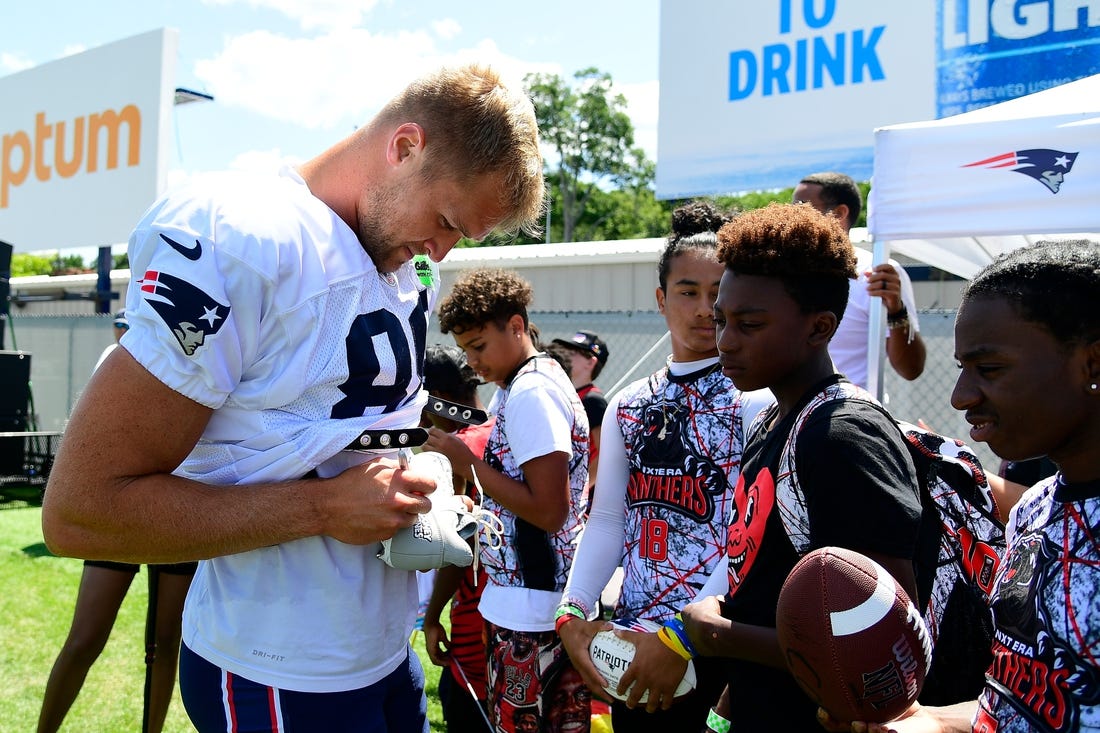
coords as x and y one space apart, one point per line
23 264
70 264
591 138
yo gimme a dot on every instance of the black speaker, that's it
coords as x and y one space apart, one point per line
5 287
15 390
15 397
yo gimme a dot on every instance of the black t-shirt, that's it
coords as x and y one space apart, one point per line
594 403
861 492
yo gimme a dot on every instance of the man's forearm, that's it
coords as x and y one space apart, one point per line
906 356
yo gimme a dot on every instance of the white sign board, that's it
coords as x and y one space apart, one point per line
83 143
757 93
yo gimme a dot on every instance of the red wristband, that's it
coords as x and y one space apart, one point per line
563 620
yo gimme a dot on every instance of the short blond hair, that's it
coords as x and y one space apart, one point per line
476 125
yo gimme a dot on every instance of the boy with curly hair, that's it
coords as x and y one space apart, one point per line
825 465
532 476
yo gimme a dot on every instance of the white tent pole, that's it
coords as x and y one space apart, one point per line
876 336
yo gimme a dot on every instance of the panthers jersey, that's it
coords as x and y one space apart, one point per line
683 438
251 297
1045 675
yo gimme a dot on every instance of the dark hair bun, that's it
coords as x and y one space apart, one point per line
697 217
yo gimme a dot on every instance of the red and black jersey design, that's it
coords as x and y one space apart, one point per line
530 557
1045 674
683 437
834 470
961 543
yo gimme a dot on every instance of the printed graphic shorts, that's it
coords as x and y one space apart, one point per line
533 688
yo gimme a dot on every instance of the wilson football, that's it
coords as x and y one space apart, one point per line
611 655
851 636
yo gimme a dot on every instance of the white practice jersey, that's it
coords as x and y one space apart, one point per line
250 296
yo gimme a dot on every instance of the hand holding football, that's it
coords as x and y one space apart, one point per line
851 637
611 656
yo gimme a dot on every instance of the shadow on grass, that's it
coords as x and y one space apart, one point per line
38 549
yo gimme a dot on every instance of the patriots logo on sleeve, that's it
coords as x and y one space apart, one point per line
189 313
1048 167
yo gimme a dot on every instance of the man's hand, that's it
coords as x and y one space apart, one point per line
372 501
883 281
907 352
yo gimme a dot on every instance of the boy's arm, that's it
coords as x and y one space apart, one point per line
447 580
714 635
539 426
542 501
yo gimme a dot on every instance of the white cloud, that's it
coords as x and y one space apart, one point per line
11 63
312 14
338 79
447 28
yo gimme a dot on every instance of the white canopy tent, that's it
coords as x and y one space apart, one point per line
958 191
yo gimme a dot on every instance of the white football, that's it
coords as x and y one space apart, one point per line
612 655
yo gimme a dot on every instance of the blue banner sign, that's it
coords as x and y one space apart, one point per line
989 51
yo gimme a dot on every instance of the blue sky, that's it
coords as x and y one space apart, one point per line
291 77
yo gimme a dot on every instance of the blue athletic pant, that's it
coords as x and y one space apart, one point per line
218 701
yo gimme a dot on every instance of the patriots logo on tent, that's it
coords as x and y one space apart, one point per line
191 314
1048 167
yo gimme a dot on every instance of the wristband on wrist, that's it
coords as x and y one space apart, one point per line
676 625
669 639
898 320
566 613
563 620
717 723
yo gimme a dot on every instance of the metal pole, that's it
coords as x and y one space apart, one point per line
150 641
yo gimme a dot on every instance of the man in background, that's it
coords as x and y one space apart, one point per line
838 195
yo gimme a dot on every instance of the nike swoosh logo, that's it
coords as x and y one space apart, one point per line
191 253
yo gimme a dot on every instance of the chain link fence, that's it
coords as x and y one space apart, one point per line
638 346
65 348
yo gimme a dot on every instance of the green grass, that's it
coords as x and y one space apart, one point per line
37 593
